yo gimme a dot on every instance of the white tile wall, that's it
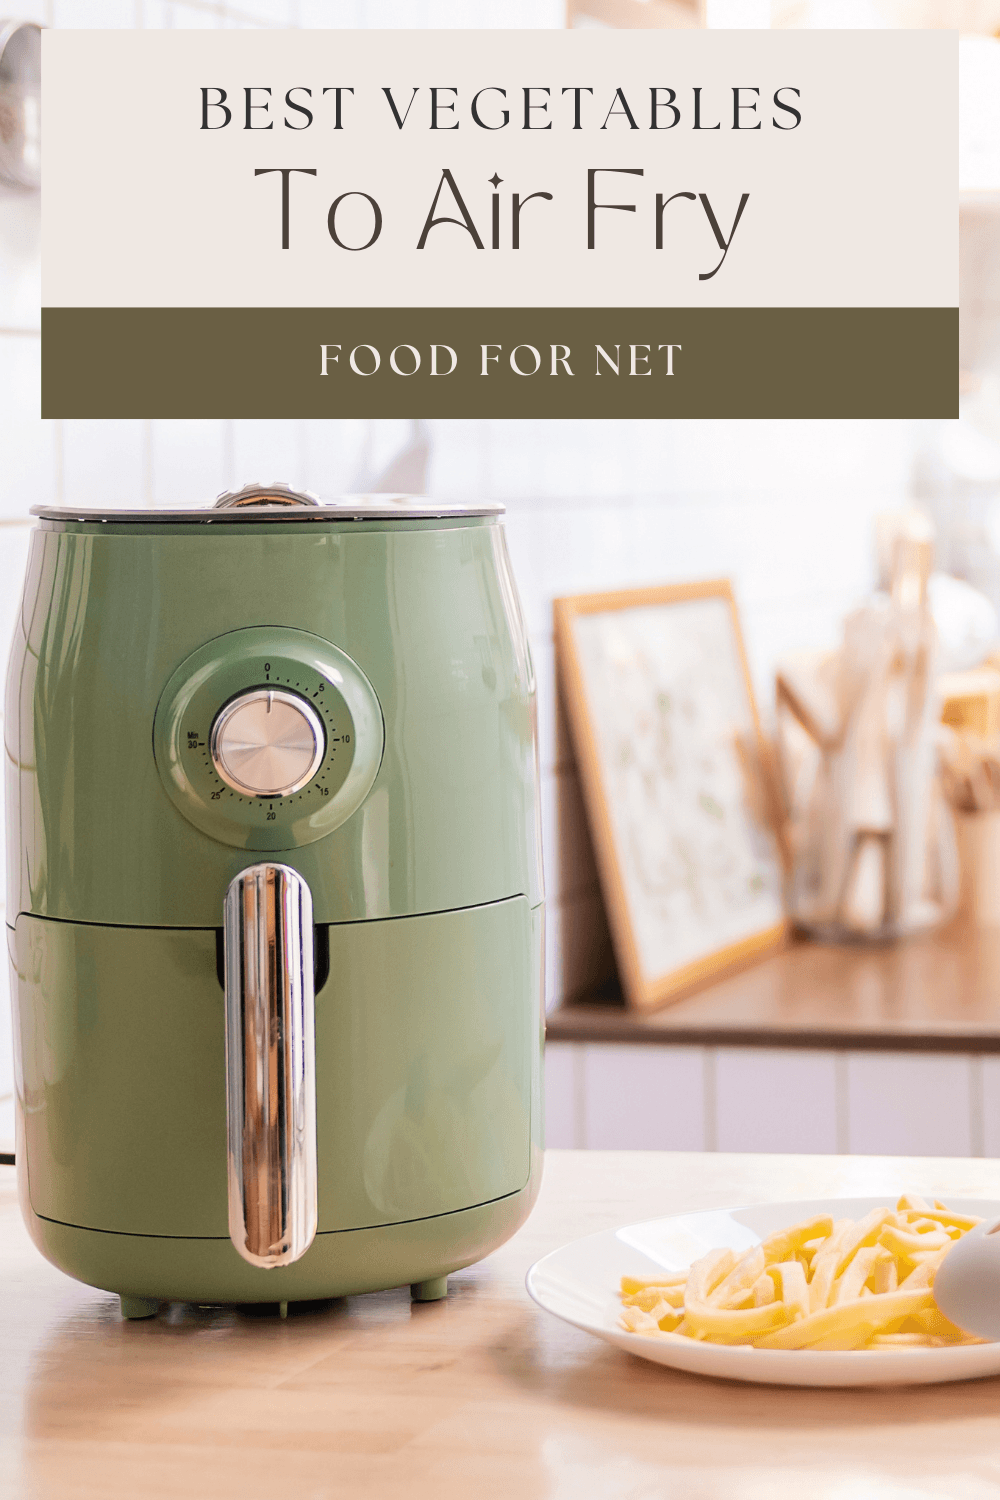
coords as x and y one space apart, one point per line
772 1099
643 1098
910 1103
989 1083
190 461
28 451
103 463
319 14
268 450
815 1101
92 13
564 1093
20 264
32 10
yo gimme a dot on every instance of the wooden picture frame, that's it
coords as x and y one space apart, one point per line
662 672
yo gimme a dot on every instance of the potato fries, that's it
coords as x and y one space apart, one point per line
865 1284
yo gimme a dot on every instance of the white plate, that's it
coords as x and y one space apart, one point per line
579 1284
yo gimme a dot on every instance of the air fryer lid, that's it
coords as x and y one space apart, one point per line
279 502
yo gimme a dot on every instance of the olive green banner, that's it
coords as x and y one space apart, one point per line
500 362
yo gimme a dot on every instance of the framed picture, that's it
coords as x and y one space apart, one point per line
666 733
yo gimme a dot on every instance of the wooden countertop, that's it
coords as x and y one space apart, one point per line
938 992
484 1394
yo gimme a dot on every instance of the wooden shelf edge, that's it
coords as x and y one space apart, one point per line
580 1023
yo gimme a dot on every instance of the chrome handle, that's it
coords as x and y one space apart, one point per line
270 1065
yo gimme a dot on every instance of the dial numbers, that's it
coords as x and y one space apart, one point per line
268 777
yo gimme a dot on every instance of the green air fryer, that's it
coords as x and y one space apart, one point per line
275 892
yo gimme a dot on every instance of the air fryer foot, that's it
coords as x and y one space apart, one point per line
430 1291
139 1307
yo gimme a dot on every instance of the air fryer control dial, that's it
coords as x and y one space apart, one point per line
267 743
268 737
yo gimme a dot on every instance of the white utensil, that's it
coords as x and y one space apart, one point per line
967 1282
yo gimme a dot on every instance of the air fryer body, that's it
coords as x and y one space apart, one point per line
417 839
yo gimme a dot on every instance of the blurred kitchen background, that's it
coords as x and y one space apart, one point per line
884 1048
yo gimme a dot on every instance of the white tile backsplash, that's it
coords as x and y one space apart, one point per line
990 1076
910 1103
577 461
775 1099
20 258
464 13
796 1100
563 1095
194 17
31 10
382 443
104 463
94 13
459 466
333 453
272 12
268 451
157 15
320 14
646 1098
27 450
190 462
